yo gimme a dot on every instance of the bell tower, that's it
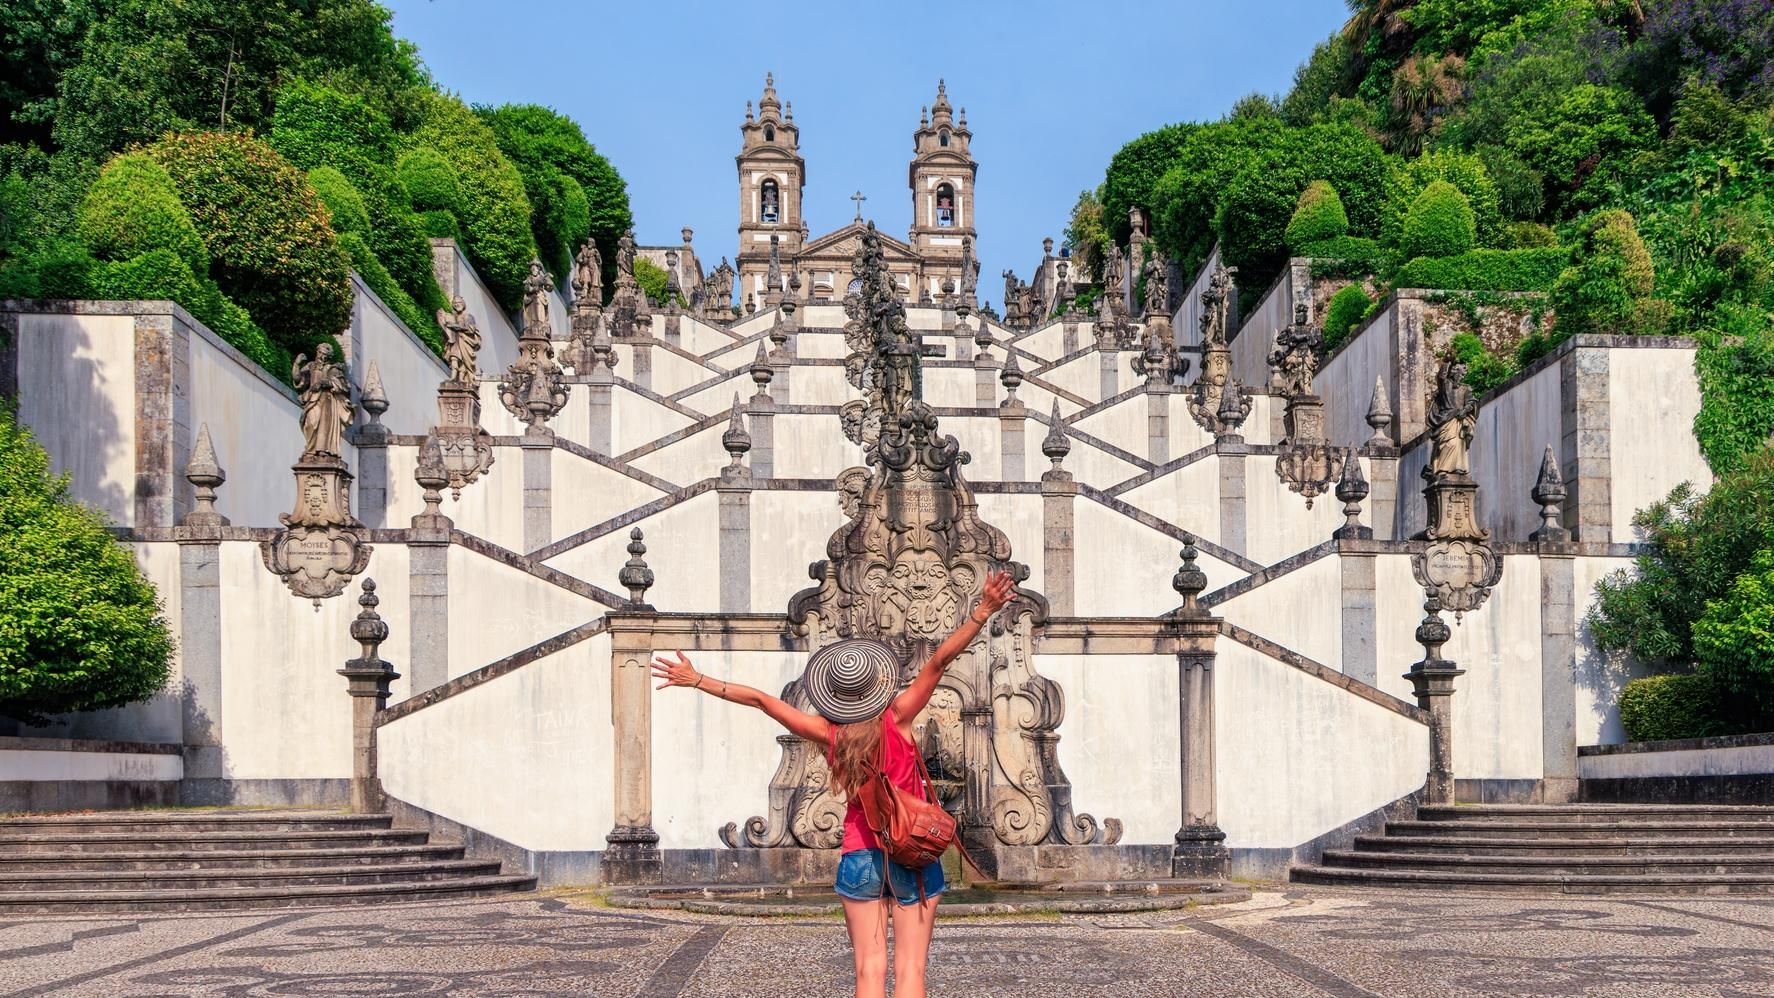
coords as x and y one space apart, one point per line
941 176
771 175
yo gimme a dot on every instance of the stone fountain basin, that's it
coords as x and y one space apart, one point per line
1079 898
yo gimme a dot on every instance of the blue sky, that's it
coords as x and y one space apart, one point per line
1051 91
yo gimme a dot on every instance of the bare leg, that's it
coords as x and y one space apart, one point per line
867 922
912 925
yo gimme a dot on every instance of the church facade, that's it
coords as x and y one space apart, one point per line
772 175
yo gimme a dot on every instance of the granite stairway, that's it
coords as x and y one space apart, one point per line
188 860
1567 848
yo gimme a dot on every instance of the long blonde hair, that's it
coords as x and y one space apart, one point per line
856 751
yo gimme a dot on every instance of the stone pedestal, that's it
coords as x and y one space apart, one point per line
1158 421
538 449
734 496
1012 416
643 362
428 582
1382 475
633 853
1200 849
1234 454
367 679
1559 618
1109 378
1360 618
321 546
372 467
601 390
200 652
1432 680
1059 496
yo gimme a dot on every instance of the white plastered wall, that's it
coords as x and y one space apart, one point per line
76 378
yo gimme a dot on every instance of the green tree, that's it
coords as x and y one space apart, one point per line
1317 82
1318 216
1345 311
1466 172
80 627
1087 235
271 248
573 189
134 208
495 216
39 40
1440 222
1607 286
1134 172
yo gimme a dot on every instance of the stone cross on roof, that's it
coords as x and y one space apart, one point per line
859 197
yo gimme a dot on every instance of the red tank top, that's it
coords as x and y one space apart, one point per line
901 764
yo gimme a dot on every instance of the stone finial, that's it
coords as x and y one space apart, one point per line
205 475
432 476
1056 445
1432 630
635 576
982 335
1011 376
1549 491
761 371
1189 580
1352 488
778 334
751 303
369 629
374 398
1047 246
1379 414
1234 407
736 441
686 232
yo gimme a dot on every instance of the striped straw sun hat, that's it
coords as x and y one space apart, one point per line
851 680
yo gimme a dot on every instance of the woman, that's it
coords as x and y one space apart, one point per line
863 724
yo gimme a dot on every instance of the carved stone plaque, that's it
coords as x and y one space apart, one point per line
316 562
1460 572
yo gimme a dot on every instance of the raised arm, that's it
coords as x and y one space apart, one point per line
798 722
996 594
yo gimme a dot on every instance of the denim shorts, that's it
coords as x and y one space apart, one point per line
859 877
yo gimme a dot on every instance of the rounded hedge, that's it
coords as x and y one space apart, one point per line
271 248
392 294
163 274
1658 708
132 208
80 627
1318 216
1440 222
1343 313
1466 172
495 214
1529 235
430 181
341 199
1609 280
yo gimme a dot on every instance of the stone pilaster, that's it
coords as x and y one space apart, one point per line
1068 332
1360 612
633 852
1583 376
1157 422
428 581
1109 378
1011 417
538 448
761 415
1432 680
601 389
1059 496
643 361
1559 611
734 497
200 659
1233 456
163 434
371 439
985 379
367 679
1200 849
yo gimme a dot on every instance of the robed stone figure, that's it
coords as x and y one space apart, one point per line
537 287
461 341
325 393
1452 414
588 276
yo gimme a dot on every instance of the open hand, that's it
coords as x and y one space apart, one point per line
999 587
678 673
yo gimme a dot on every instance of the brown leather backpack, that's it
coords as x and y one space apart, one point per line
914 830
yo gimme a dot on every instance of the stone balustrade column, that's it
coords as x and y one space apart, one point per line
1157 422
1360 618
601 387
1068 335
1109 377
538 449
1200 847
643 362
1059 497
985 379
633 853
367 680
200 630
428 601
1559 610
1432 680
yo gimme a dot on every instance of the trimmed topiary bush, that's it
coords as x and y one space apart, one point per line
1440 222
1318 216
271 248
1485 270
162 274
392 294
1660 708
132 208
1463 170
495 213
80 627
63 269
1343 313
1484 369
1529 235
430 181
1607 287
441 225
1346 256
341 199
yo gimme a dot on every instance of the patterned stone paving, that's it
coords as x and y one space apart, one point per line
1284 941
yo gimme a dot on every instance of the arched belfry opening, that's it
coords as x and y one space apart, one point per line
769 202
945 205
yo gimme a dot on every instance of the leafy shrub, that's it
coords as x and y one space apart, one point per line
80 627
392 294
1346 257
1605 288
161 274
495 215
1735 363
1440 222
1318 216
63 269
651 277
1521 190
270 246
1484 370
341 199
1734 644
1485 270
1465 172
1345 311
1677 705
1529 235
430 181
549 148
441 224
133 208
1135 171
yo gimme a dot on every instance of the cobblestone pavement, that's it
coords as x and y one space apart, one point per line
1284 941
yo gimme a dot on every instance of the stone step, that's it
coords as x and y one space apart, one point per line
1663 865
185 880
1538 883
1586 813
1530 846
222 859
180 822
223 898
99 843
1539 830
